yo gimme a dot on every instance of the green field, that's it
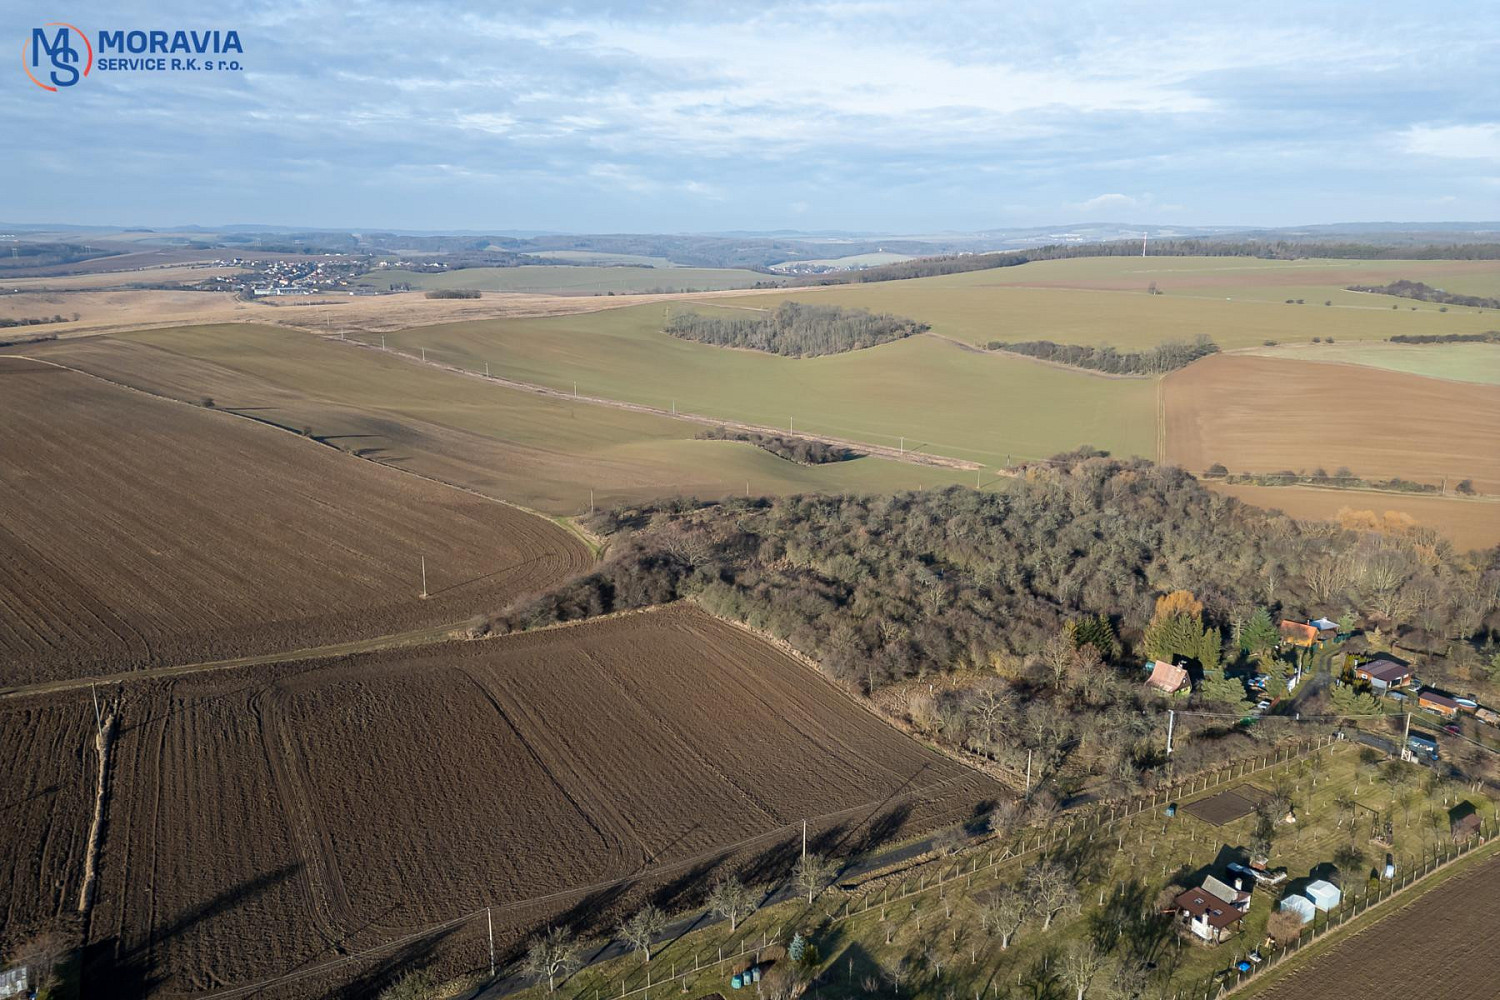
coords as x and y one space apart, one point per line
938 396
561 279
1459 362
1239 302
539 451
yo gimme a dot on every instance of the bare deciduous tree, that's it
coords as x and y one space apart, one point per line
812 873
730 900
1051 889
552 956
1080 965
642 930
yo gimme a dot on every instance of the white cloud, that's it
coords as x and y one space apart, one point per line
1456 142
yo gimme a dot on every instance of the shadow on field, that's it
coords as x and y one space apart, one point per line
111 970
409 958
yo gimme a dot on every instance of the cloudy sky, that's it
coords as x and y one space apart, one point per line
874 116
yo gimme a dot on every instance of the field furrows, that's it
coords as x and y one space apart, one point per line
139 532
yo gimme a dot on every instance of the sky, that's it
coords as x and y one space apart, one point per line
845 115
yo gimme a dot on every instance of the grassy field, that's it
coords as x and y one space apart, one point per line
941 397
1239 302
538 451
569 280
601 257
1458 362
934 936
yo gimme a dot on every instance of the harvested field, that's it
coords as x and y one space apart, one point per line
381 794
174 534
1228 806
1267 414
1468 524
1447 937
1459 362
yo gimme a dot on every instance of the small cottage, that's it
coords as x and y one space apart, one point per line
1298 633
1167 678
1439 703
1384 673
1213 911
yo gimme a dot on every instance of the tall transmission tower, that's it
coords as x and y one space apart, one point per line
1143 244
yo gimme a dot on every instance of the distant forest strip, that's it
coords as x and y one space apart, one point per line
1154 361
799 450
926 267
453 293
1488 337
1342 479
1426 293
795 330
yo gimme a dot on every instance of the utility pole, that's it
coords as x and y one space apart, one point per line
789 426
382 341
674 407
591 501
1171 720
1143 244
486 369
903 445
424 354
804 838
490 921
575 390
976 476
424 578
1028 772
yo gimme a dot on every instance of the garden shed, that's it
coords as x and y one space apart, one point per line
1324 895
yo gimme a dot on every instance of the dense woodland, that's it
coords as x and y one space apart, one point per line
1156 360
1426 293
800 450
795 330
1045 597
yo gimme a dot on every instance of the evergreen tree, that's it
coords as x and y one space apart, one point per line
1260 635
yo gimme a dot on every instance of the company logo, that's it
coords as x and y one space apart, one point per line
54 60
58 55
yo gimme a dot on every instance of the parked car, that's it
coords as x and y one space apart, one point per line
1451 728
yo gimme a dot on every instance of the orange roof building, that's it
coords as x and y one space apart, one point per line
1298 633
1167 678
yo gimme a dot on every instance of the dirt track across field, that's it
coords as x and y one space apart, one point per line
137 532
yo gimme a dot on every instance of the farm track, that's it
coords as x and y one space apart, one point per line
879 451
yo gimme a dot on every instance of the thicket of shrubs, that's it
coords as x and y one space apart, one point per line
1426 293
795 330
1047 591
10 321
1488 337
1342 479
452 293
1153 361
799 450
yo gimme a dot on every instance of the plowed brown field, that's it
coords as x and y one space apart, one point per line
1441 945
273 818
138 532
1267 414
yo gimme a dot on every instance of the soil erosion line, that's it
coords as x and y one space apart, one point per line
102 741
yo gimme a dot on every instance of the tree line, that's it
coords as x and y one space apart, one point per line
1423 292
1488 337
795 330
803 451
452 293
1156 360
